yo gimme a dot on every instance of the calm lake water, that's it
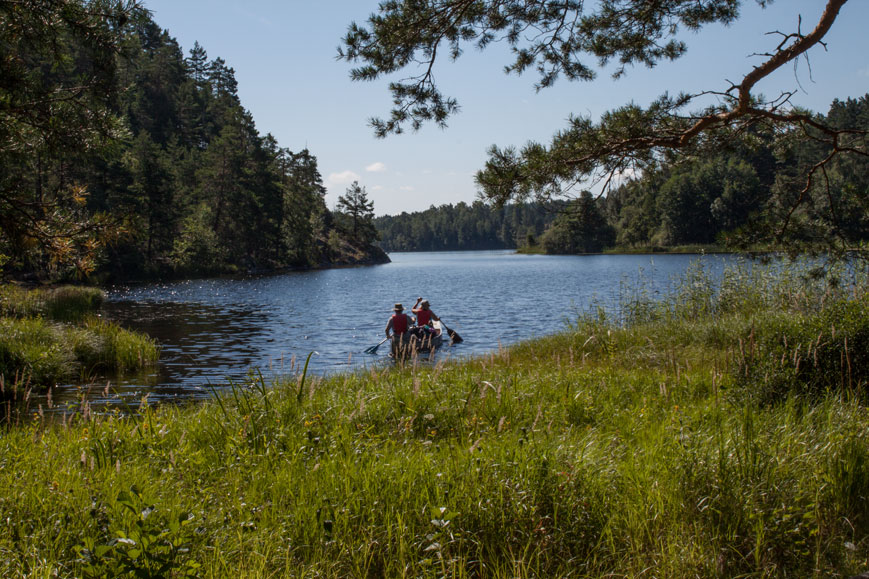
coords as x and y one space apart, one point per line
214 329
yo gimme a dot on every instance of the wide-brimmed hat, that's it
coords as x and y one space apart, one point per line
398 308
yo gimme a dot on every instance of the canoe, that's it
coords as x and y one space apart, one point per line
417 340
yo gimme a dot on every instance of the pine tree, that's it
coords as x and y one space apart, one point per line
305 219
355 203
197 64
58 84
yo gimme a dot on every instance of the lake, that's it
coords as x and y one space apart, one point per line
214 329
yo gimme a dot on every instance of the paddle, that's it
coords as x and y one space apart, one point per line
373 349
454 335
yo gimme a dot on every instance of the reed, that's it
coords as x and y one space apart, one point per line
62 303
72 303
614 449
52 335
33 347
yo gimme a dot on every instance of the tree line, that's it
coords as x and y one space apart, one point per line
475 226
735 192
124 156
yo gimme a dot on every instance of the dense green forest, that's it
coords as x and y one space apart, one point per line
466 227
751 187
123 156
737 192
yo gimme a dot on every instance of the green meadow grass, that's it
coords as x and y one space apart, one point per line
51 335
695 437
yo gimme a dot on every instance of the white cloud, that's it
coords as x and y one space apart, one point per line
342 178
406 188
377 167
377 188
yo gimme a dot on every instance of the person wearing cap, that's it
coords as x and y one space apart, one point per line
423 313
400 322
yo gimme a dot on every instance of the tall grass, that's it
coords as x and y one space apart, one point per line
70 303
611 450
51 335
63 303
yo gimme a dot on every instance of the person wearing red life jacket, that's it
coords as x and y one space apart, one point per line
424 315
400 322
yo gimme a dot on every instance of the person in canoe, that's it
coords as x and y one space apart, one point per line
424 331
401 325
423 313
425 316
399 322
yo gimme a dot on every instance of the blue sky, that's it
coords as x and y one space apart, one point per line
284 56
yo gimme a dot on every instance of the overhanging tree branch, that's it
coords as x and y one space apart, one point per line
558 37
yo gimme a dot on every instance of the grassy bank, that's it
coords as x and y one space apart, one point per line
52 335
722 433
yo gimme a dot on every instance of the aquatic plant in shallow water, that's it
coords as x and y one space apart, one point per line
53 335
48 352
72 303
34 348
